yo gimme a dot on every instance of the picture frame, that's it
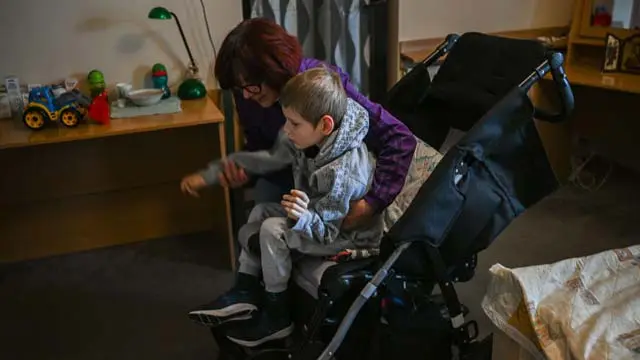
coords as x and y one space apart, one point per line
622 55
612 54
630 55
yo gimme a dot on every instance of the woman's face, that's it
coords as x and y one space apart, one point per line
260 93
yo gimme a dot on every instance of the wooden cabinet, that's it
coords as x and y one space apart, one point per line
65 190
606 103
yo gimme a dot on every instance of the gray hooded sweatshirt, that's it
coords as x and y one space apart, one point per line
341 172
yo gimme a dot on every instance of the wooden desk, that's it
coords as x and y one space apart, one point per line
65 190
605 114
590 77
418 50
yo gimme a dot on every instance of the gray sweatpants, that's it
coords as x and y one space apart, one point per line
269 220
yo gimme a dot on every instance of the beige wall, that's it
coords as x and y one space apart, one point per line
71 37
424 19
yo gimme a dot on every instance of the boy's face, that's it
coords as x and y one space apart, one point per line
302 133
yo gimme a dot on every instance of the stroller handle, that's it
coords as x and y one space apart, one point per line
553 64
444 47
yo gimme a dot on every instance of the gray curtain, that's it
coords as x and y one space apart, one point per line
335 31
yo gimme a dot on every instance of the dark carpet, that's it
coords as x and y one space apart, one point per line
126 302
129 302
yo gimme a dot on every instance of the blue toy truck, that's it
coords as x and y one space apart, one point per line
44 108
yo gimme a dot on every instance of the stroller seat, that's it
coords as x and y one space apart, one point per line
317 276
386 304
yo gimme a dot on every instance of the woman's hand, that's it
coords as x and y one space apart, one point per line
360 212
192 184
295 204
232 176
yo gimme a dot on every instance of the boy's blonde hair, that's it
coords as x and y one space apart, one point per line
315 93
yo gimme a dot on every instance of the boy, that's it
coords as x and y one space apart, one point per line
323 141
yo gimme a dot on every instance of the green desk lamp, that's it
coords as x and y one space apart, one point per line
191 88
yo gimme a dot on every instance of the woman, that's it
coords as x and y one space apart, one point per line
256 59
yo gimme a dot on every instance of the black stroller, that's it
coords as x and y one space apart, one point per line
385 307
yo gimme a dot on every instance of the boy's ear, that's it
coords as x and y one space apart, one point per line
326 125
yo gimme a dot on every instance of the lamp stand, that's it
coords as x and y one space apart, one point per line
192 87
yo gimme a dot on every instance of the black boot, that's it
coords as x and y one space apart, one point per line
273 323
236 304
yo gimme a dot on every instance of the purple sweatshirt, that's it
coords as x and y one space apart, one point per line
389 139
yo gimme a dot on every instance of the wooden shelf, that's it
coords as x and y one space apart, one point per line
194 112
588 41
417 50
589 76
585 54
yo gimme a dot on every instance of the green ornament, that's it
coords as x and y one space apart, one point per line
96 82
95 77
158 68
160 79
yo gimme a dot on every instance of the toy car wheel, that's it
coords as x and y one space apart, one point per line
34 118
70 117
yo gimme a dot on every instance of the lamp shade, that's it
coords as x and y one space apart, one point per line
160 13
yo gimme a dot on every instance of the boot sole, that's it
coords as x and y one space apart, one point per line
275 336
216 317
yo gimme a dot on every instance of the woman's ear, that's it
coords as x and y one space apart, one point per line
326 125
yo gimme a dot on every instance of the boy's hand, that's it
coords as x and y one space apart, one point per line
295 204
232 176
192 184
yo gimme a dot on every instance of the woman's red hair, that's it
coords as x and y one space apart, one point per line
258 51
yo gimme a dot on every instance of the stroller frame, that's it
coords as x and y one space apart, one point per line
464 333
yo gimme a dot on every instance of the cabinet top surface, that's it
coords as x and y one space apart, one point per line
13 133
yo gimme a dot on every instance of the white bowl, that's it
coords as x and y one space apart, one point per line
145 97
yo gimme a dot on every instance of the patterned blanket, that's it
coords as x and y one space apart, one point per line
582 308
425 159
